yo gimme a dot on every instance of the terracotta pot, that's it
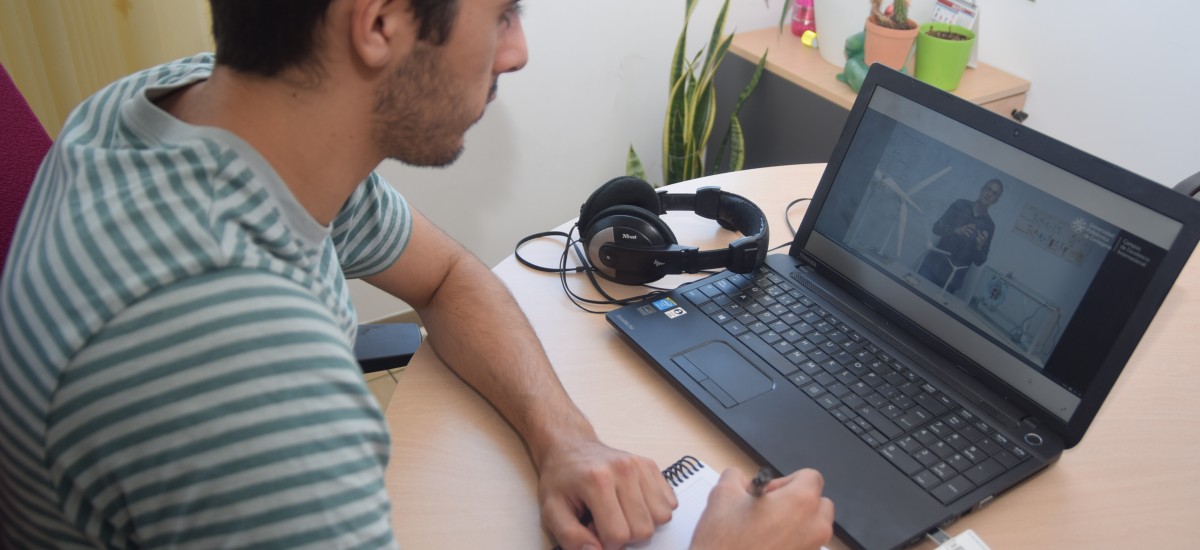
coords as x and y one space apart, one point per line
890 47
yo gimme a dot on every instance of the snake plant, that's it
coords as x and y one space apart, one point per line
692 108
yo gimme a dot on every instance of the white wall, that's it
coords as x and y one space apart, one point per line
1114 78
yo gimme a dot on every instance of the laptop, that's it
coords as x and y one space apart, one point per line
959 300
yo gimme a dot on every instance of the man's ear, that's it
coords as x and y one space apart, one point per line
377 29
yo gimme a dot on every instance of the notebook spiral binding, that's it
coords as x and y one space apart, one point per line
682 469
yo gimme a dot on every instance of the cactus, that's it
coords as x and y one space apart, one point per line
897 19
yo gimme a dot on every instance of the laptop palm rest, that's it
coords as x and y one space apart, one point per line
727 375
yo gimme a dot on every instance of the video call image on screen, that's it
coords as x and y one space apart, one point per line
986 247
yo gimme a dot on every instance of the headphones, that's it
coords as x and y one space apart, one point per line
628 243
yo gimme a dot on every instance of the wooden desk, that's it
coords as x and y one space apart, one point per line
798 110
460 477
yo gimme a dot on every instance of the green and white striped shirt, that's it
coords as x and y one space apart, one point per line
176 366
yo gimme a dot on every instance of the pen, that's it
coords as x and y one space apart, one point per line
760 481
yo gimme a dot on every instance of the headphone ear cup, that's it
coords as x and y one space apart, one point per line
630 226
623 190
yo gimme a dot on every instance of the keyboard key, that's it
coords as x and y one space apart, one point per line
828 401
940 429
825 379
853 401
785 369
943 470
925 457
970 433
959 462
988 446
913 417
710 308
924 436
951 490
1006 458
891 411
900 459
974 454
927 479
1018 452
957 441
887 390
810 367
909 444
984 471
800 379
839 389
887 427
941 449
925 399
735 328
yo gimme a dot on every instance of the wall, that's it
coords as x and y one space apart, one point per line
59 52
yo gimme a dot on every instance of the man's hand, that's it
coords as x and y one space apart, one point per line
981 239
625 495
965 230
791 514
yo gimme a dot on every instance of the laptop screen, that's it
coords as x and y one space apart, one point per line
1022 267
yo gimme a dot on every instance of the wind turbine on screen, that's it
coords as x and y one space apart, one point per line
905 202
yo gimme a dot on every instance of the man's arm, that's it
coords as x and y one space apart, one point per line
456 295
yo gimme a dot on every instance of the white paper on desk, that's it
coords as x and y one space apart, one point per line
964 13
692 496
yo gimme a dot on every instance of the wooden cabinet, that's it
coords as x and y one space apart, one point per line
799 108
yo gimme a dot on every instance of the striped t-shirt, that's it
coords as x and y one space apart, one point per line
176 366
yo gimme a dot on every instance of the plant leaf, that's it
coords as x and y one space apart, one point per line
718 33
633 165
750 86
737 153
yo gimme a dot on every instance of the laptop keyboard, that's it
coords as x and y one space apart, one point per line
925 433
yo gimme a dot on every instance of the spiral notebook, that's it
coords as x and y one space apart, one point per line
692 481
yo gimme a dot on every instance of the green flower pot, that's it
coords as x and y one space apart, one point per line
941 62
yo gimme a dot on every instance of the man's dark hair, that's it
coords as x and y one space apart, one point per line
265 37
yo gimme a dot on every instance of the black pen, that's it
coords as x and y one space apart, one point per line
760 481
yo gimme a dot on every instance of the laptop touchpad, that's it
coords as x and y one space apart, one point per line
724 373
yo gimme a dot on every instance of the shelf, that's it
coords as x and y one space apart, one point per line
803 66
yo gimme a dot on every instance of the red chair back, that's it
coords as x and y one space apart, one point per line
24 146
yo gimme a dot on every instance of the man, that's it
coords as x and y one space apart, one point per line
966 232
176 358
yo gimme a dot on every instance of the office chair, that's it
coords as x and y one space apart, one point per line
378 346
1190 186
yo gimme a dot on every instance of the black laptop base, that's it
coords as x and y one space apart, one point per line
812 430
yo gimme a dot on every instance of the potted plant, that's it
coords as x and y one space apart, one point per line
890 35
942 54
692 108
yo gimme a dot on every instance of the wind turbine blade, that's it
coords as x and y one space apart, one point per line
918 187
891 183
